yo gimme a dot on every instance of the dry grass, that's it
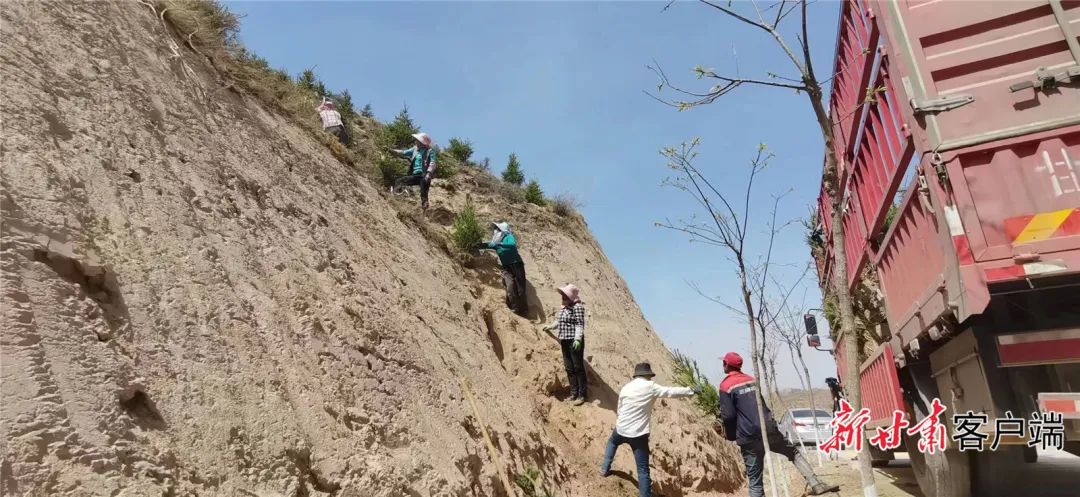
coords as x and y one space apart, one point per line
565 205
208 28
488 183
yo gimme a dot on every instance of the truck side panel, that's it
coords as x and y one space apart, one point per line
967 56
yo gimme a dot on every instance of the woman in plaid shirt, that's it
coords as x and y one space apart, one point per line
570 323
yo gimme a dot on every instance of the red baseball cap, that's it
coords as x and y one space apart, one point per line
734 360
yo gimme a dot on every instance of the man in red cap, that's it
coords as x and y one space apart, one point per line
739 401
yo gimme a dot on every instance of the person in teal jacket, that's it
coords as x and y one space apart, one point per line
421 167
504 243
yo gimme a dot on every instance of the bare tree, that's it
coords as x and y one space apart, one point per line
788 330
806 82
726 224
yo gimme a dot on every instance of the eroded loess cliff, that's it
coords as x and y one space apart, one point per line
200 299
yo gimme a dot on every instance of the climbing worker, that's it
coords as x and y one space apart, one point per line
504 243
331 120
570 323
632 425
421 166
834 389
739 401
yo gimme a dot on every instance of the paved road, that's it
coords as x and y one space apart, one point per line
1057 474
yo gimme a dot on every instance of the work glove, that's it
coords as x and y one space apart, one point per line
696 389
577 345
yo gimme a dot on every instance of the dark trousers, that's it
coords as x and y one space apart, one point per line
574 361
514 280
753 454
640 446
339 132
413 180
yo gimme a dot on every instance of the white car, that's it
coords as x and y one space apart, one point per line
797 425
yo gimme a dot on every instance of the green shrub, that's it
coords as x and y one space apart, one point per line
466 231
309 81
565 204
531 483
533 193
687 374
344 104
398 134
513 173
461 149
367 112
390 169
447 165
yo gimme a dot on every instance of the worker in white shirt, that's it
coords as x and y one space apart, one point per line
331 121
632 426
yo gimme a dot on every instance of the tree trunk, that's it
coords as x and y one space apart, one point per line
840 282
754 356
813 404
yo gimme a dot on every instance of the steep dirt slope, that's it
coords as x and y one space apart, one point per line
198 299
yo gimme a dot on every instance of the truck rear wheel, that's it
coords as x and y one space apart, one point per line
880 457
944 473
992 469
941 474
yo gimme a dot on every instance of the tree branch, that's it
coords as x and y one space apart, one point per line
734 310
779 14
732 13
806 46
727 85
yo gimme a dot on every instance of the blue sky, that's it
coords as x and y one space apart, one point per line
561 85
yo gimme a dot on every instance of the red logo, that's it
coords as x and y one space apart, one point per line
847 428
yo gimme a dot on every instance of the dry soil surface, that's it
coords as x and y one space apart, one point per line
199 299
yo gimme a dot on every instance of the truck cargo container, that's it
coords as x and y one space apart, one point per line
957 133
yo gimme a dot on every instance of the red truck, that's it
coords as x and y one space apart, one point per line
957 135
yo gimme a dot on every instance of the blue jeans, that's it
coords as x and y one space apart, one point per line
640 446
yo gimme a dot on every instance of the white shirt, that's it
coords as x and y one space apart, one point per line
635 405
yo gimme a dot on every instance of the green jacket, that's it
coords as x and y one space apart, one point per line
506 247
417 159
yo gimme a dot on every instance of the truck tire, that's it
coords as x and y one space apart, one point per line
941 474
880 457
991 469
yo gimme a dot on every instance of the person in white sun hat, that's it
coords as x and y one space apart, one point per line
421 158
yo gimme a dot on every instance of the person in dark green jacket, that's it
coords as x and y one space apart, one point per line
504 243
